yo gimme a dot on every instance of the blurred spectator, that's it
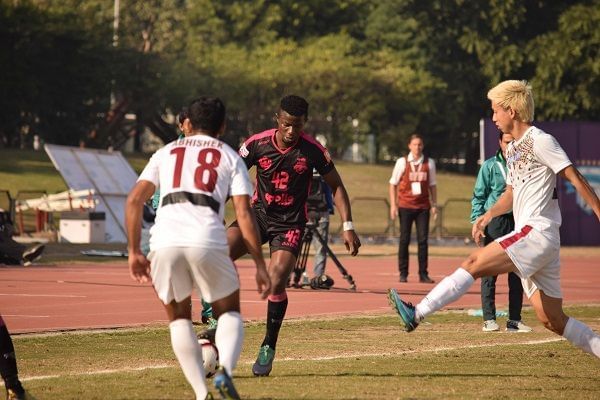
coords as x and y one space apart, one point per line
413 194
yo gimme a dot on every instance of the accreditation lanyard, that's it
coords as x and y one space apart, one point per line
414 178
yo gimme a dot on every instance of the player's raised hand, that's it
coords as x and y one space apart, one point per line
139 267
351 241
263 282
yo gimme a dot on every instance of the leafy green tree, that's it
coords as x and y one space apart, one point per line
469 47
566 65
396 66
55 77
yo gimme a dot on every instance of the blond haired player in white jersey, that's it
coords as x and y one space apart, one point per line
188 243
534 159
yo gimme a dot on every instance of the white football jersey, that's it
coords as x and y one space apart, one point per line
195 176
533 162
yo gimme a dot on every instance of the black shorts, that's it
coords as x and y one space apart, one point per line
280 236
498 227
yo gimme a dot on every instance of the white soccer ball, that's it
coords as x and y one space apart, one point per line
210 356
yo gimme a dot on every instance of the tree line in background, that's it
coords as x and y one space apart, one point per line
388 68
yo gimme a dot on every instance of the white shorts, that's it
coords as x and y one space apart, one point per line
537 258
177 270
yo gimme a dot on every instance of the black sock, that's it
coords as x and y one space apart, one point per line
275 314
8 362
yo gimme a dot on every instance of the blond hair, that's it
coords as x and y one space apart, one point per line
514 94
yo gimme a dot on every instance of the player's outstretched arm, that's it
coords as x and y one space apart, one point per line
139 266
583 187
247 223
342 203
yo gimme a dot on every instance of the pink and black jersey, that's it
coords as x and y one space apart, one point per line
283 177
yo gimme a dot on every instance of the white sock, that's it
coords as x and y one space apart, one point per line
582 336
449 289
229 338
188 353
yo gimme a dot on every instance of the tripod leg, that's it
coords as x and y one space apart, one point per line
337 262
300 266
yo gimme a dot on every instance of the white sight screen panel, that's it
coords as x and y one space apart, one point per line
108 173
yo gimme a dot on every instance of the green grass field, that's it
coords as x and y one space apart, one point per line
354 357
367 185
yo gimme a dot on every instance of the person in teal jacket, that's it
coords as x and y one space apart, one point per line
490 184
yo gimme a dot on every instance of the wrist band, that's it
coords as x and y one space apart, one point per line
348 226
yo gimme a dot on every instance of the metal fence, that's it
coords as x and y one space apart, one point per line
371 216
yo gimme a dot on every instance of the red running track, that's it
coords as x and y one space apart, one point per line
45 298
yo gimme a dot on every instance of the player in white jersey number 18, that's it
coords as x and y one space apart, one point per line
188 245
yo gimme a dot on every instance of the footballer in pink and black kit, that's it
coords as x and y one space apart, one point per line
283 178
284 158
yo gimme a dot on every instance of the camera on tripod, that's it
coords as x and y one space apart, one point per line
316 202
317 207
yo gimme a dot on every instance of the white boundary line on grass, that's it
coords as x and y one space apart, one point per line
344 356
101 372
433 350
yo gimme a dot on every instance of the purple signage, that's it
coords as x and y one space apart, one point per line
581 142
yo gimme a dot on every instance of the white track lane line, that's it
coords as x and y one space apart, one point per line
42 295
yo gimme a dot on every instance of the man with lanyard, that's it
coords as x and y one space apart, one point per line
413 193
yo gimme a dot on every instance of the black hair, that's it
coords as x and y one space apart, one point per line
294 105
183 115
207 114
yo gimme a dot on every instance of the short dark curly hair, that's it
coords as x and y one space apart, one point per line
183 115
207 113
294 105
